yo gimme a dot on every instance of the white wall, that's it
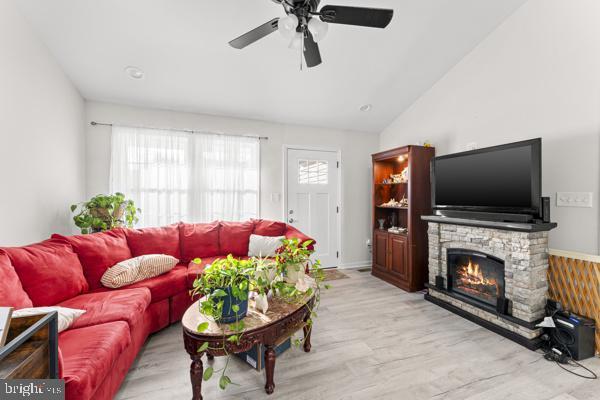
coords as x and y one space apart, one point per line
355 147
537 75
42 168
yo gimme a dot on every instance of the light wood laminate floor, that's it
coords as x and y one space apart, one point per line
372 341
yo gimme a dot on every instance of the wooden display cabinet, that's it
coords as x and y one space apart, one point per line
401 258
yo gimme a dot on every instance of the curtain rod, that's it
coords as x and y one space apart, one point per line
94 123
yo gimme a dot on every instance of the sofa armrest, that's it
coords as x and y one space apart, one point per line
292 232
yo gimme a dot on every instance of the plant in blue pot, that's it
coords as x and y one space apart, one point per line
224 285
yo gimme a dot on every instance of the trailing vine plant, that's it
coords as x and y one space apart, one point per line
229 274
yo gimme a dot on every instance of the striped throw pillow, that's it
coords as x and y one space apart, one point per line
137 269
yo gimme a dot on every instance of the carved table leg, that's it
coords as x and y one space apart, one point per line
307 332
196 371
269 368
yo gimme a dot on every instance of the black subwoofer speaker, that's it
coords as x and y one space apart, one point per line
576 334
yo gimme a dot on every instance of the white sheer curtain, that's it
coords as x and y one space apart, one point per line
179 176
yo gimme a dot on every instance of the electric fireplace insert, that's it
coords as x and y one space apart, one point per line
476 275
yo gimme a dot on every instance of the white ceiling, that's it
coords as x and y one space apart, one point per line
182 47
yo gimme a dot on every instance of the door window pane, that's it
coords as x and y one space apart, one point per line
313 172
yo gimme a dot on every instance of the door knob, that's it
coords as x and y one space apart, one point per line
291 220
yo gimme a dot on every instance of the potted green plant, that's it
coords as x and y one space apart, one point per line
105 212
224 285
293 258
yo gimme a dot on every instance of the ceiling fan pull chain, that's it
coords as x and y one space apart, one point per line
302 50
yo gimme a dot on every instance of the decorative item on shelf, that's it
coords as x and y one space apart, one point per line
381 223
226 284
402 177
427 143
403 202
105 212
391 204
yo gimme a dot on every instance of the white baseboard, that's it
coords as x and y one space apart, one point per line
357 264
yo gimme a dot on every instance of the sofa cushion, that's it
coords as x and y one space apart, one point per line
163 240
264 246
199 240
264 227
234 237
126 305
137 269
11 290
50 271
88 355
66 316
165 285
98 252
292 233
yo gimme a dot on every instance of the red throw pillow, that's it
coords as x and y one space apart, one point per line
234 237
292 233
265 227
50 271
163 240
98 252
11 290
199 240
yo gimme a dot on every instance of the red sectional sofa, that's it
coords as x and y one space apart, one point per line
97 351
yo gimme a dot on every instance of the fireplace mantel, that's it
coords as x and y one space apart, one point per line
506 226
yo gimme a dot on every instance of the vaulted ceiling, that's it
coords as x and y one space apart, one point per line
181 45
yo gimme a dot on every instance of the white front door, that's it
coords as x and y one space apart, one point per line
312 199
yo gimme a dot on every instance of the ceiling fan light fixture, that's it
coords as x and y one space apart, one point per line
296 41
318 29
287 26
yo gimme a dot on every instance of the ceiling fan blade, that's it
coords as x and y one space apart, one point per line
312 55
255 34
361 16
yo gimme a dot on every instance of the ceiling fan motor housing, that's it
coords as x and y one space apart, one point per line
303 9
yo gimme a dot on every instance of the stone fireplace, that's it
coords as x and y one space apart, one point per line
493 274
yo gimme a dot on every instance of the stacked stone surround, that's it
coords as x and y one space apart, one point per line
525 255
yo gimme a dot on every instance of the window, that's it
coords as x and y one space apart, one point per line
178 176
313 172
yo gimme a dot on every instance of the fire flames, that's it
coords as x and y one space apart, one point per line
472 277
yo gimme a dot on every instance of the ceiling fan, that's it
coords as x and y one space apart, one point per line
304 30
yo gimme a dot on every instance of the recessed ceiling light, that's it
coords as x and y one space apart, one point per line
134 72
366 107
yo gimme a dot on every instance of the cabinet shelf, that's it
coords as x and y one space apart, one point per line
392 208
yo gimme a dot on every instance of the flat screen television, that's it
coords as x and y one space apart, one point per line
500 179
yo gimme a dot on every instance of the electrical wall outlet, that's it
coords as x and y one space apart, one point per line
574 199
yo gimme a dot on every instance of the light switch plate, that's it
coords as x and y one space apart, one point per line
574 199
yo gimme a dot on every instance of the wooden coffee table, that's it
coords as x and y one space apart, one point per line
280 322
